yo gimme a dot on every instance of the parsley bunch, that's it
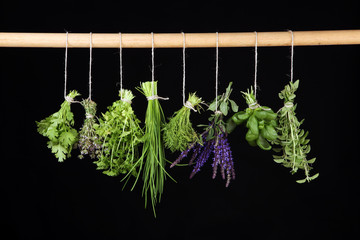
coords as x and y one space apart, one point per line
58 129
178 133
260 121
292 139
89 141
121 135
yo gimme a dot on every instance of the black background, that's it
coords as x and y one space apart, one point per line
51 200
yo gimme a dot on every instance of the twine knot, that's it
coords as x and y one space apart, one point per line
153 97
190 106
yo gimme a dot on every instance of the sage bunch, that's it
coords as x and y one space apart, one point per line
214 140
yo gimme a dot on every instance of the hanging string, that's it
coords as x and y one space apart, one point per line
90 63
152 63
292 57
120 56
153 96
256 56
65 70
183 52
217 74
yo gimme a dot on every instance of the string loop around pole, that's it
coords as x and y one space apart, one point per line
66 58
120 56
183 56
217 72
256 60
90 63
292 57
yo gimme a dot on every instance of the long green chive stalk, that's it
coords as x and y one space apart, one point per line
178 133
152 161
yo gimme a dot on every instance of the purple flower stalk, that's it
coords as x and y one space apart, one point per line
222 156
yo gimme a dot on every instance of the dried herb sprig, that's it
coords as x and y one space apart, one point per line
89 141
178 133
215 141
58 128
152 161
121 135
292 139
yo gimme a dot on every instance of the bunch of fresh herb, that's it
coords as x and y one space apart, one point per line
89 141
58 129
178 133
152 161
292 139
121 135
260 121
215 141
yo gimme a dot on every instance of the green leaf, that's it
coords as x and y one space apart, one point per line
67 138
301 181
314 176
263 144
234 106
279 160
224 108
59 151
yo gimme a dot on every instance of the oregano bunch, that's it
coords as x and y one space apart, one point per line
89 141
260 121
178 133
121 135
292 139
58 128
214 140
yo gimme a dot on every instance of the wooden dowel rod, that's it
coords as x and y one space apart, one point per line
175 40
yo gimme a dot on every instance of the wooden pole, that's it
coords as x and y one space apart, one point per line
175 40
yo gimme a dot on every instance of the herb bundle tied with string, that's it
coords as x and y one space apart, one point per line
214 140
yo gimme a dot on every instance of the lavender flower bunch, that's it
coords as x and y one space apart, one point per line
215 141
222 156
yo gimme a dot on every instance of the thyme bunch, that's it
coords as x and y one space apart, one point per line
89 141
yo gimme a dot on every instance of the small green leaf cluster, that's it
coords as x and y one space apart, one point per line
260 121
121 135
89 141
58 128
225 104
178 133
292 139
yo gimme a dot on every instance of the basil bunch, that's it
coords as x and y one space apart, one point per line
260 121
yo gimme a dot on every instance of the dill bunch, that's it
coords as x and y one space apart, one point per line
121 135
178 133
